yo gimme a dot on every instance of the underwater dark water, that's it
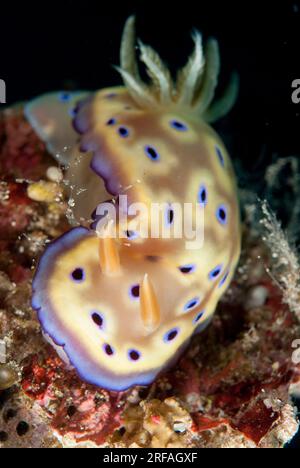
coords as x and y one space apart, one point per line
72 45
46 48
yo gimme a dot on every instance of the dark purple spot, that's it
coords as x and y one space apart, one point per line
97 319
181 127
78 274
123 132
108 349
224 279
135 291
215 273
198 316
72 112
220 156
171 335
222 214
111 122
65 97
202 195
191 304
169 216
110 95
186 269
152 153
134 355
76 109
131 235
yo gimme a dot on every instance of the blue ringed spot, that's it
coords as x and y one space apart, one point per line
179 126
222 214
78 275
98 319
187 269
171 335
72 112
202 195
111 122
215 273
198 316
224 279
220 156
134 355
131 235
152 153
169 215
123 132
108 349
191 304
65 97
134 292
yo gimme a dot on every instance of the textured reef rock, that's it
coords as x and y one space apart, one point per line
230 389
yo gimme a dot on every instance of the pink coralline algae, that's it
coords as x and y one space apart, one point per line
77 410
21 150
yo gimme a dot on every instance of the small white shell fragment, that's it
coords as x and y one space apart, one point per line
256 297
54 174
179 426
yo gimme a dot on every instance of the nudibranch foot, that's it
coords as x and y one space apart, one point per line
50 116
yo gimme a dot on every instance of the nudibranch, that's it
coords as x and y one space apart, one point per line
121 310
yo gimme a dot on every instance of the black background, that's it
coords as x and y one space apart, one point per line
55 45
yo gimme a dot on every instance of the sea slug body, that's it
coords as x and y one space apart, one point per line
122 310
